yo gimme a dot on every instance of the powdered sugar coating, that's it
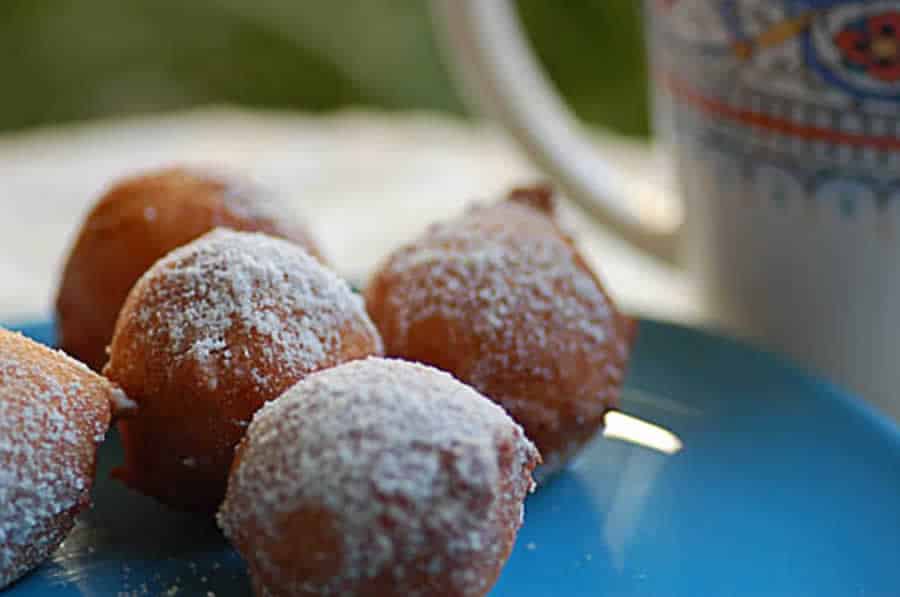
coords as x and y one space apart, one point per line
519 316
496 273
248 199
250 284
258 207
421 478
210 333
53 413
137 222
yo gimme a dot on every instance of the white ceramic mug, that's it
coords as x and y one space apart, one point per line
783 121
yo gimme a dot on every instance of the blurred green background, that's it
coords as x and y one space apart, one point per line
67 60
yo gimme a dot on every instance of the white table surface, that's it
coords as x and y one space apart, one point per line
365 181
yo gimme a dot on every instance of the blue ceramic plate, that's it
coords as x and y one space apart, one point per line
783 487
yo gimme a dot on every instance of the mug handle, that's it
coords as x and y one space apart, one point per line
496 66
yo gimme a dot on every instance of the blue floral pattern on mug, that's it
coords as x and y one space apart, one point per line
810 87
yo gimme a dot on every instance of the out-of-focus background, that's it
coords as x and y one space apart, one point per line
345 106
65 61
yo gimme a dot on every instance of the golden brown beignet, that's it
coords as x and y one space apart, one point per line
501 298
378 478
54 412
207 336
138 221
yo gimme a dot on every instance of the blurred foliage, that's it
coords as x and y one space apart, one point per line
76 60
594 52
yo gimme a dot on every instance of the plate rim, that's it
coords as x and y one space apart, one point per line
870 413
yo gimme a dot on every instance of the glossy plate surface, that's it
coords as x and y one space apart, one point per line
784 487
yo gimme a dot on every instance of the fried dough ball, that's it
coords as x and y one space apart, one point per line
501 298
206 336
378 478
138 221
53 414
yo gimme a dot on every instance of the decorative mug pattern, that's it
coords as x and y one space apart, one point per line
802 91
